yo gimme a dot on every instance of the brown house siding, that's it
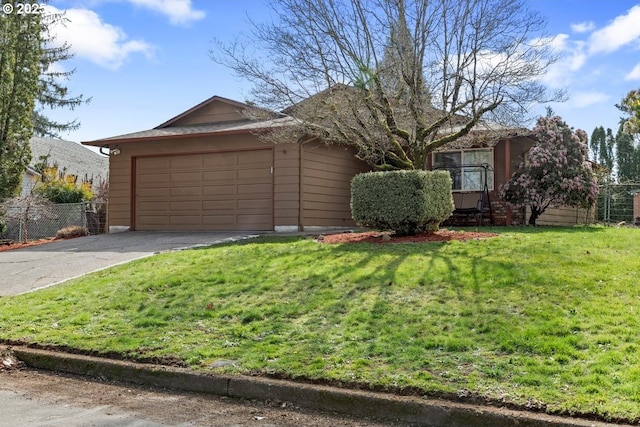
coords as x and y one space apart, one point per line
286 179
119 191
214 112
508 155
326 184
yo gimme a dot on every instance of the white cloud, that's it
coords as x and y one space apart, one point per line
95 40
571 59
179 12
633 74
587 99
583 27
621 31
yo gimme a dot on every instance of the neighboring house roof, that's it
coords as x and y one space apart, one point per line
71 156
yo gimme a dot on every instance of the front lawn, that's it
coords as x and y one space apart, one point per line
545 317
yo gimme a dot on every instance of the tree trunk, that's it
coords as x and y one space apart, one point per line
535 213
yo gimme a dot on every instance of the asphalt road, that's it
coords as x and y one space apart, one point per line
37 398
36 267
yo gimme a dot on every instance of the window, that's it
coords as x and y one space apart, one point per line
466 168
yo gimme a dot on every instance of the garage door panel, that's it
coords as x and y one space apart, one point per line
154 220
263 205
151 164
219 205
153 180
187 205
186 178
185 162
154 206
222 175
185 192
219 160
155 193
213 191
219 221
254 189
184 220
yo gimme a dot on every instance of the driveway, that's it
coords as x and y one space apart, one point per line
36 267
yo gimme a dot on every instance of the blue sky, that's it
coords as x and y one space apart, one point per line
144 61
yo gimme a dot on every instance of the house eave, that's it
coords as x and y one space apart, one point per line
188 132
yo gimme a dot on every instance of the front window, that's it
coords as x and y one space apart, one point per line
468 168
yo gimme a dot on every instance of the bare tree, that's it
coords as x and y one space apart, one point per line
395 78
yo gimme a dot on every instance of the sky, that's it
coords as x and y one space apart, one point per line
143 62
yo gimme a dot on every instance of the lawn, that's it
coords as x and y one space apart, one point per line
545 317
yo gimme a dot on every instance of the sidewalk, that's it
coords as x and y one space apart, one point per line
412 410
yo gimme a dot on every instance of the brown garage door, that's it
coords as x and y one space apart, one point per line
214 191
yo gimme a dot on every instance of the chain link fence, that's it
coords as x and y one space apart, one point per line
38 221
616 203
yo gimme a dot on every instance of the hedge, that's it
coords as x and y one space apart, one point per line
407 202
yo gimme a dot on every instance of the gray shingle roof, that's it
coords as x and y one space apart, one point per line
483 135
243 126
76 159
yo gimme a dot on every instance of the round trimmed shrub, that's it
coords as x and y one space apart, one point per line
407 202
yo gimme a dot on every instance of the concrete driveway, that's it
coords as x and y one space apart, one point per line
36 267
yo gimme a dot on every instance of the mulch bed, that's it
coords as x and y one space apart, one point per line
442 235
19 245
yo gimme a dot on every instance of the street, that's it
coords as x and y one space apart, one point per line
38 398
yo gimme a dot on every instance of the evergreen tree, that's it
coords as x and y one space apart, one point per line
20 56
53 93
602 148
627 156
29 84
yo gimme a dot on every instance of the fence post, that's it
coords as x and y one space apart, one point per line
607 204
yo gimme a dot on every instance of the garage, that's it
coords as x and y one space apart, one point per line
231 190
210 169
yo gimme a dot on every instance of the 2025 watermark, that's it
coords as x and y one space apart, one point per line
23 8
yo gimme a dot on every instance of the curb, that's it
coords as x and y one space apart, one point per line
414 410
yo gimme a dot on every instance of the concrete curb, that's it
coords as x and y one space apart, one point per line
414 410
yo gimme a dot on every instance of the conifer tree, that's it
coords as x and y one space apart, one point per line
29 84
20 55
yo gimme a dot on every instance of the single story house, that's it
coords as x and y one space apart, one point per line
70 156
207 169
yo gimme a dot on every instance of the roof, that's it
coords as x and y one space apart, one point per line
484 135
69 155
235 127
204 103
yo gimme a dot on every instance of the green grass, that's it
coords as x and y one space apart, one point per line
543 317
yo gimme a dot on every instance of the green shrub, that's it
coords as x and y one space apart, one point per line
64 192
407 202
